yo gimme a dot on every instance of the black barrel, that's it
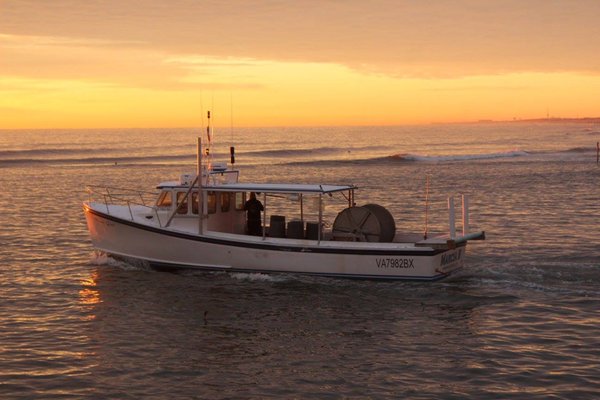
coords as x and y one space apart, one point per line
277 226
295 229
312 231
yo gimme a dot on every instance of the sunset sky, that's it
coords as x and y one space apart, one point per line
159 63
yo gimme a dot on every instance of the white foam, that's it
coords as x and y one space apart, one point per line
101 258
465 157
257 277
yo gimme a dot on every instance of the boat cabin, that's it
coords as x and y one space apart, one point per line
221 199
222 211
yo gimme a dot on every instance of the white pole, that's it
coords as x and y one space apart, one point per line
451 217
199 178
264 229
426 206
465 214
302 210
320 216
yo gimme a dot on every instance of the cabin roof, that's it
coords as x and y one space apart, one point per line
268 187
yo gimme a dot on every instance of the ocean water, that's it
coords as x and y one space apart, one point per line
521 321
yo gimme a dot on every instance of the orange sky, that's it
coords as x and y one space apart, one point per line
151 63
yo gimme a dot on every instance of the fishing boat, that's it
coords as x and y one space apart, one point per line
200 221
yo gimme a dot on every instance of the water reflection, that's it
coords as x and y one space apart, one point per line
274 333
89 294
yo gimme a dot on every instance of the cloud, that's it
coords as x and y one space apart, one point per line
33 41
441 39
98 61
46 64
199 61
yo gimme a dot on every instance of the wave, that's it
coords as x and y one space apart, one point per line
97 160
325 156
462 157
293 152
412 158
69 156
573 150
54 153
11 154
578 150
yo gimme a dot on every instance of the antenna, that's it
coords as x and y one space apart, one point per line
231 148
426 205
208 146
231 116
201 111
208 129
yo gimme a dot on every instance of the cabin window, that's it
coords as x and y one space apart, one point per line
182 201
164 200
195 203
240 200
212 202
225 202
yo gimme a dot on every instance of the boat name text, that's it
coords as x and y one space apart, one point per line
395 263
451 258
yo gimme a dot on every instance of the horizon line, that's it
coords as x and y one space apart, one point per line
479 121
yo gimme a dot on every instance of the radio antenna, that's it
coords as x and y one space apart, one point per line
426 206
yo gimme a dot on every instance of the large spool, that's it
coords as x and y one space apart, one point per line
369 223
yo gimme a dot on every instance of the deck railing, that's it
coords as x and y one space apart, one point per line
111 195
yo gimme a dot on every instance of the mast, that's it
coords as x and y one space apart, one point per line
208 148
199 180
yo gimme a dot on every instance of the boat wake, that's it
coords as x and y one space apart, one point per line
258 277
576 278
127 264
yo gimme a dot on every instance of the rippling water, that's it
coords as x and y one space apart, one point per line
520 322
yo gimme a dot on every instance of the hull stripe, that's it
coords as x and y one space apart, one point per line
265 246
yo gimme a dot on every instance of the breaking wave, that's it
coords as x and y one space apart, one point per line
463 157
411 158
325 156
578 150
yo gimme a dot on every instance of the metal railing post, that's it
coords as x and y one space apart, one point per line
465 214
451 220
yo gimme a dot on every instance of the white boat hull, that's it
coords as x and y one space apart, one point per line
215 251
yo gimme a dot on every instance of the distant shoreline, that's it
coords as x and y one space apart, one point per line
595 120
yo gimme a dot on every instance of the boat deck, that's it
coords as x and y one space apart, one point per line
189 225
